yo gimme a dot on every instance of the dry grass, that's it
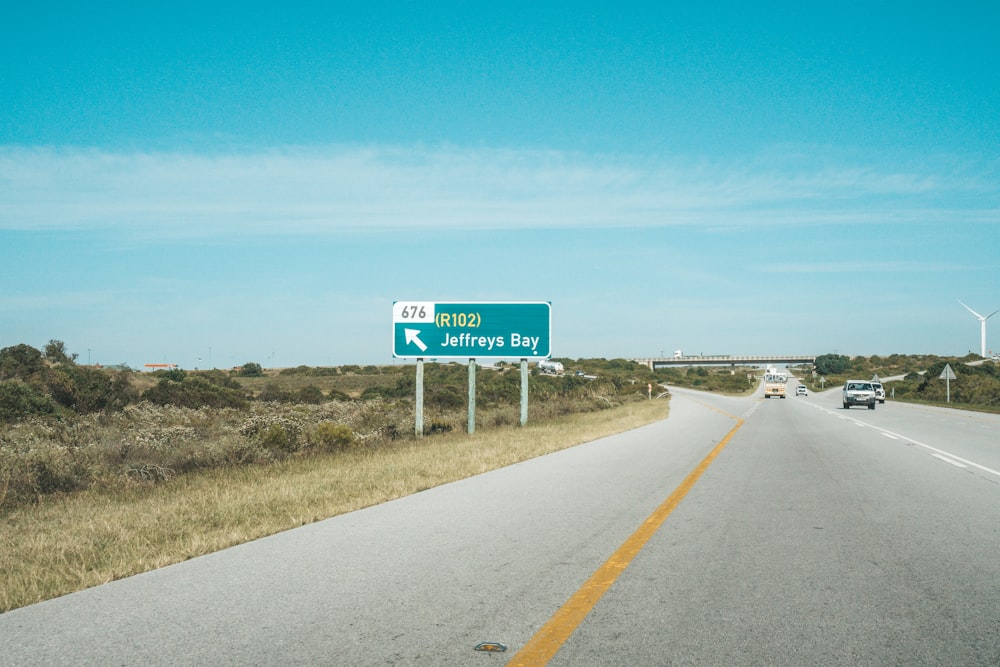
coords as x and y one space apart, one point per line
69 543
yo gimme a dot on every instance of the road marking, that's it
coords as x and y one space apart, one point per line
551 636
949 460
949 455
944 456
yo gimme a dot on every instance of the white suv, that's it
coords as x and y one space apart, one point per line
859 392
879 392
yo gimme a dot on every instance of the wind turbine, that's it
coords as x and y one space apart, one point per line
982 321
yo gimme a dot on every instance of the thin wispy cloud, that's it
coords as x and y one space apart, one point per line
852 267
343 189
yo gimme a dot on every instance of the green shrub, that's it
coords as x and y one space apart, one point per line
21 362
277 436
83 389
272 432
273 393
47 471
251 370
195 392
445 397
405 387
174 374
338 395
55 351
310 394
832 364
439 427
328 436
221 379
18 400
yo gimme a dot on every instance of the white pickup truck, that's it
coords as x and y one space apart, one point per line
859 392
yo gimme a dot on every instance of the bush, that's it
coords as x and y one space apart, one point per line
276 436
445 397
174 374
55 351
405 387
310 394
195 392
328 436
18 400
251 370
85 389
273 393
438 427
30 475
221 379
832 364
338 395
273 432
204 419
21 362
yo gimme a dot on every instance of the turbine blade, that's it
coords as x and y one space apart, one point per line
972 311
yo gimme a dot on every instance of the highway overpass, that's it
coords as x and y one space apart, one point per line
727 360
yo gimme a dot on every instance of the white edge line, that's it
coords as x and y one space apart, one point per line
943 453
949 460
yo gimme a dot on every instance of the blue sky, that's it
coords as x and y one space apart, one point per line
210 185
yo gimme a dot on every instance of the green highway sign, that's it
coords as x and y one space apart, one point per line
426 329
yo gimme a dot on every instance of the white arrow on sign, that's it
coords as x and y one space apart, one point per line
412 337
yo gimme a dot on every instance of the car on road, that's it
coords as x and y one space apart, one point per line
801 390
859 392
879 392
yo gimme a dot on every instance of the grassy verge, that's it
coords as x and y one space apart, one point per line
72 542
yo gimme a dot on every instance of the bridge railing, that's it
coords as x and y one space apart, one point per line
653 362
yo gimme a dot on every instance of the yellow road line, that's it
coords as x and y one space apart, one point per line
551 636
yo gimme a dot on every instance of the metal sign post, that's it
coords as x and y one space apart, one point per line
420 399
524 392
947 375
472 396
458 330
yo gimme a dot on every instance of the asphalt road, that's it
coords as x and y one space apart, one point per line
816 535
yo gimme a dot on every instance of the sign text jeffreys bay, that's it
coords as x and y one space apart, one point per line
428 329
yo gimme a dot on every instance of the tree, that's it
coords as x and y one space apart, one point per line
832 364
55 351
251 369
18 400
21 361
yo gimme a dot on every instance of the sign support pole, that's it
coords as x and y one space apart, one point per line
524 392
948 375
472 396
420 398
